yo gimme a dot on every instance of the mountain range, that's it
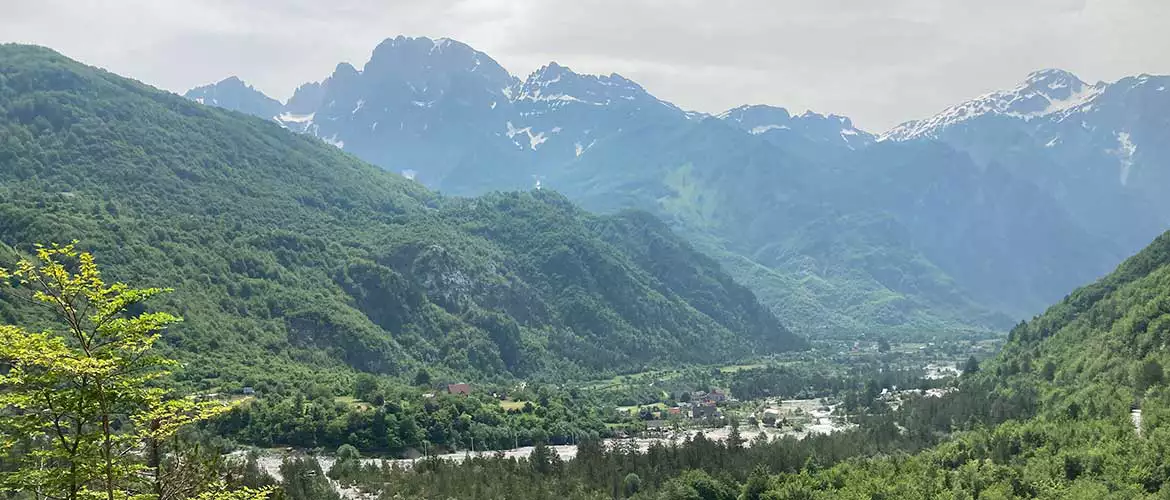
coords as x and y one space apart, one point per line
971 219
296 263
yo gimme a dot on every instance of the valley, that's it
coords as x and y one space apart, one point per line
937 225
430 278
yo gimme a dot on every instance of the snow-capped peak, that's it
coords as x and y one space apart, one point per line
1042 93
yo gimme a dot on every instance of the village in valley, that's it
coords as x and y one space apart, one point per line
821 391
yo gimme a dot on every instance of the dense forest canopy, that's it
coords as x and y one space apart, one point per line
297 263
1075 407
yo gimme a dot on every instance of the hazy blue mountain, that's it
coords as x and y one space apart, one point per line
1101 150
776 124
966 220
233 93
294 261
902 236
430 109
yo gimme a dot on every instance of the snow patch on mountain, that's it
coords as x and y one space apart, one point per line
1125 151
440 44
764 128
582 149
534 140
296 122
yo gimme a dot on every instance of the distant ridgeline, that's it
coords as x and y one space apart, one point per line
968 220
293 261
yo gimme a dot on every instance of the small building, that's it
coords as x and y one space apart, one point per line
771 415
716 396
704 411
459 389
248 391
674 412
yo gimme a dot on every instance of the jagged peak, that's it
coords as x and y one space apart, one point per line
550 73
233 93
227 84
554 72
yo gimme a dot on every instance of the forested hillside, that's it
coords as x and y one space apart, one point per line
1076 407
293 261
1102 348
838 231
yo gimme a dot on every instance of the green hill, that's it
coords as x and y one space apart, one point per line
293 261
1104 346
1075 406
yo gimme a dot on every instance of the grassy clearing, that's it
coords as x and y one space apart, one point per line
353 402
509 405
739 368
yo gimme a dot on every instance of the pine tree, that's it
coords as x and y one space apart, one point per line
734 440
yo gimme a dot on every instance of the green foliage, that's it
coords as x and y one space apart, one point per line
631 484
835 244
970 366
240 494
1075 407
297 265
76 407
303 479
1102 348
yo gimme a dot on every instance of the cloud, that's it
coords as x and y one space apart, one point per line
878 62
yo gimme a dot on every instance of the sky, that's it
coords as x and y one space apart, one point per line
878 62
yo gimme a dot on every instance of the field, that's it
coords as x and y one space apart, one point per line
509 405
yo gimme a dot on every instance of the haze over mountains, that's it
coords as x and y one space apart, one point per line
295 262
974 218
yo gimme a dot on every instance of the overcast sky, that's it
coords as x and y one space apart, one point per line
879 62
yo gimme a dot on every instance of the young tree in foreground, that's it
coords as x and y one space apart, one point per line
79 416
